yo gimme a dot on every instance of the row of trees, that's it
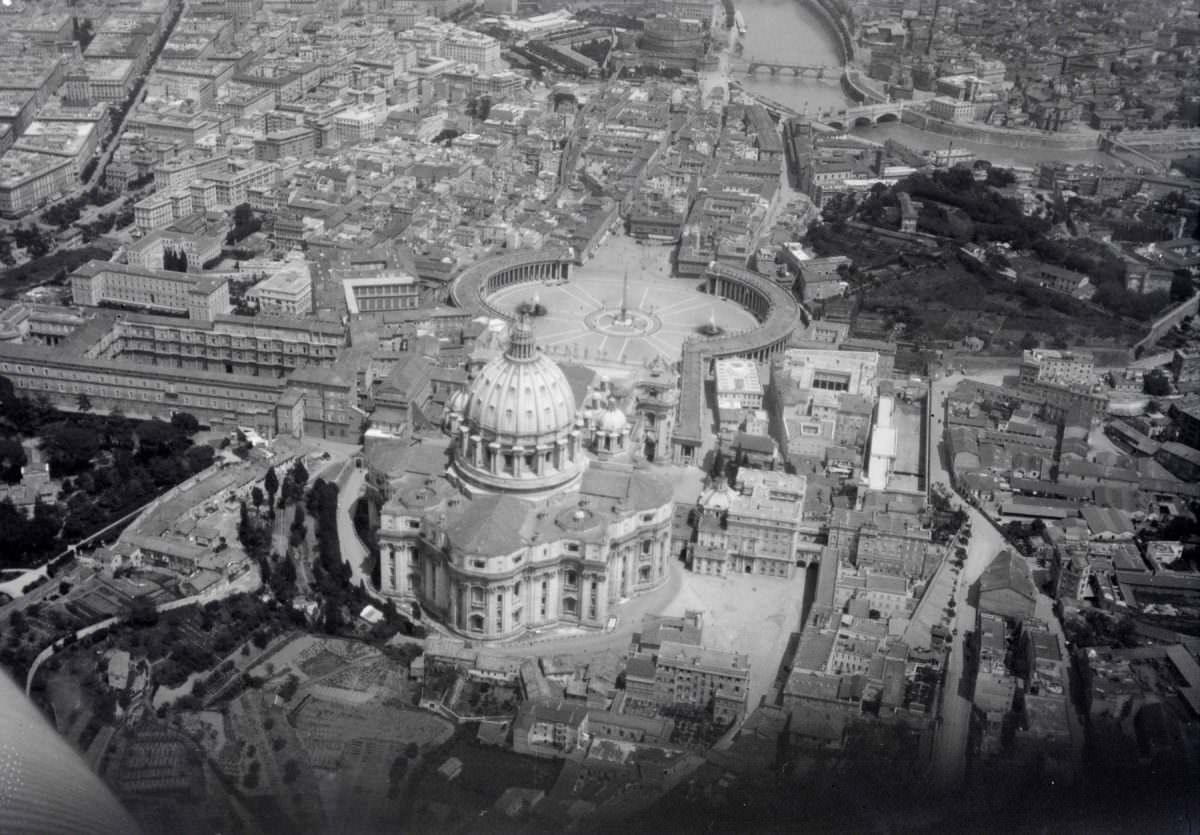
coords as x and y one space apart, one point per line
66 212
256 528
278 572
290 490
331 575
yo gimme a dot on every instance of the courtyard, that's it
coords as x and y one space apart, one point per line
585 319
750 614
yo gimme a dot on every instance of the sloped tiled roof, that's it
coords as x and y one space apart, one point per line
1008 571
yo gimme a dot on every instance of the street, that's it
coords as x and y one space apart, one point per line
353 551
950 746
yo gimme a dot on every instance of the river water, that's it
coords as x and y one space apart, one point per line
786 30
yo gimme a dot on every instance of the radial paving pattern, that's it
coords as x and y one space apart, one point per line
583 316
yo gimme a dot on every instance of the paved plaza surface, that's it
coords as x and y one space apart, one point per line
750 614
583 319
753 615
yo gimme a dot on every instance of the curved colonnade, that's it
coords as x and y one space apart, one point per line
774 307
778 313
474 285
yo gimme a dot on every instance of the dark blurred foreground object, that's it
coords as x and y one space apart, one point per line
45 786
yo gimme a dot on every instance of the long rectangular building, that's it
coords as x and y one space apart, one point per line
141 389
197 296
261 346
227 373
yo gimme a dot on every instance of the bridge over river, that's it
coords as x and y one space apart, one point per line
860 115
755 66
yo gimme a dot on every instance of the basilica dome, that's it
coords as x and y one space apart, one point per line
518 431
522 395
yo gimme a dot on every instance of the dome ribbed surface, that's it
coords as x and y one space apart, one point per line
612 420
521 394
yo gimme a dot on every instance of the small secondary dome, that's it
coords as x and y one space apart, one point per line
612 419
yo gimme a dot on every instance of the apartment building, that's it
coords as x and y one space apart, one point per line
763 524
376 294
952 110
287 292
738 384
218 190
182 170
38 76
692 675
109 79
356 125
160 120
300 143
244 102
29 179
1045 365
482 51
17 109
75 141
162 208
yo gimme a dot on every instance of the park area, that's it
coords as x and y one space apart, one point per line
926 285
948 302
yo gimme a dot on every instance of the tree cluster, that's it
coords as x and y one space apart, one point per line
82 31
33 239
1097 628
109 466
331 574
278 573
245 224
66 212
44 268
1107 273
994 217
195 639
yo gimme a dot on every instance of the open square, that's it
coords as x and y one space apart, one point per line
586 319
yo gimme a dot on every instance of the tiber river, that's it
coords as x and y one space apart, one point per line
788 30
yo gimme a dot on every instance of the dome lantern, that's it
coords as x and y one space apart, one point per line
521 347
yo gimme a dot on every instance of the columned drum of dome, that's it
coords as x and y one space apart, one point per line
518 432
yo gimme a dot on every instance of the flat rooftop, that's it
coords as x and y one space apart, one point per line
291 279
